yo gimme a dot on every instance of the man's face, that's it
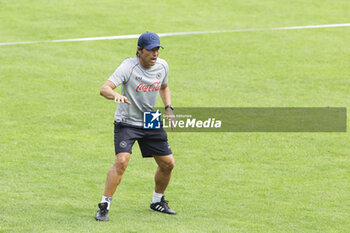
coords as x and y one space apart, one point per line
148 58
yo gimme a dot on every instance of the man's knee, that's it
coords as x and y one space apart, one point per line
121 163
168 165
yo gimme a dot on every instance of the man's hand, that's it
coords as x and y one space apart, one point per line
107 91
120 98
169 115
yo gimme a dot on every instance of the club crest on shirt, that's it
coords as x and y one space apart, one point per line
138 78
159 75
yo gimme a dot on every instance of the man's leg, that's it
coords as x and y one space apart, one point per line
114 177
163 173
162 178
115 173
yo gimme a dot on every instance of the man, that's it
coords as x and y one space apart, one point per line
141 77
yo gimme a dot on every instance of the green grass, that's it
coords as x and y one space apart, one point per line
56 132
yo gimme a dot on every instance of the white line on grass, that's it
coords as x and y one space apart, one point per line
121 37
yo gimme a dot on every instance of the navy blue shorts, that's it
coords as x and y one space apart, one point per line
152 142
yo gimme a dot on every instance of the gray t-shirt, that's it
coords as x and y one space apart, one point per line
140 86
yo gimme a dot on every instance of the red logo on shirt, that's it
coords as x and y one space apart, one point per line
147 88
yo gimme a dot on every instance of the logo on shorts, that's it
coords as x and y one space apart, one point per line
123 144
151 120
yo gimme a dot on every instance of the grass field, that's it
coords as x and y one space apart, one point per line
56 132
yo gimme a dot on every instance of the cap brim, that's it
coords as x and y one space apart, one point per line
152 46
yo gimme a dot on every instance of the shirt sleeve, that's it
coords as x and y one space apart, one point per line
166 67
121 74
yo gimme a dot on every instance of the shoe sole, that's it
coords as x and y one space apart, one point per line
160 212
100 220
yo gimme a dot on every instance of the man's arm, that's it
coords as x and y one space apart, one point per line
164 93
107 91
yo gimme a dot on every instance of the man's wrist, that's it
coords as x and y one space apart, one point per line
169 106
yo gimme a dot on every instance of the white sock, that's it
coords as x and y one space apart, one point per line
157 197
107 200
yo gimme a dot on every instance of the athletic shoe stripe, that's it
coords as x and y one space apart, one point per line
159 208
